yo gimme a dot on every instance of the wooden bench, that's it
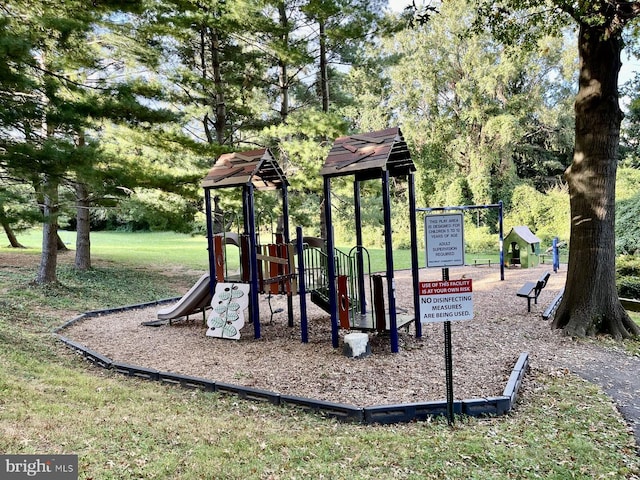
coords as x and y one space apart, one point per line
630 304
531 290
481 261
548 312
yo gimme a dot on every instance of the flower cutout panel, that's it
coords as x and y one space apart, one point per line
229 302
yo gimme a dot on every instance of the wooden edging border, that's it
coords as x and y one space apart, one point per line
380 414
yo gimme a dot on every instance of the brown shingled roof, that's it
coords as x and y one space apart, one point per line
367 155
240 168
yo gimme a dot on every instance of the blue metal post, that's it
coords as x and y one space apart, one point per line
388 249
501 240
211 253
555 255
302 287
254 307
415 268
331 266
359 259
287 239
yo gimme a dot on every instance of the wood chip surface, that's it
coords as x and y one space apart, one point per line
485 349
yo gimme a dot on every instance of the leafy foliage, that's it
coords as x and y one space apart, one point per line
546 214
478 114
627 208
628 276
480 239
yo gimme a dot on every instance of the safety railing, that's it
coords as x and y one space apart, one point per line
347 265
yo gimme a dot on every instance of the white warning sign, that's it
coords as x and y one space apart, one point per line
444 240
446 300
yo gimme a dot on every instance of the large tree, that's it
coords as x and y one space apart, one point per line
477 112
590 304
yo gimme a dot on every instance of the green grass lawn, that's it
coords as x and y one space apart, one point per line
142 248
52 401
175 249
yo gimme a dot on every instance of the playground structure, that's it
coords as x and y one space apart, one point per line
255 170
376 155
336 280
523 248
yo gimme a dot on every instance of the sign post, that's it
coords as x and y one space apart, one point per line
449 299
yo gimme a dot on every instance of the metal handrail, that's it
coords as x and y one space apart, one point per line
358 295
316 276
315 261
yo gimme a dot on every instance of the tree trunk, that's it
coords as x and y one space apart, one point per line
13 240
60 243
324 70
205 76
220 103
41 202
49 258
283 75
590 304
83 229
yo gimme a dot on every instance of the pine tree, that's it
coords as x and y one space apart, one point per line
46 144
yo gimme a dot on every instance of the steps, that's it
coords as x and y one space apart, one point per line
321 298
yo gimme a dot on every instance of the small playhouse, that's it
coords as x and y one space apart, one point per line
522 248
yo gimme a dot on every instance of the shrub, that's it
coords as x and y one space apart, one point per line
628 276
629 287
546 214
153 210
628 211
480 240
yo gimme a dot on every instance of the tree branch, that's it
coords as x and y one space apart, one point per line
627 10
65 79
